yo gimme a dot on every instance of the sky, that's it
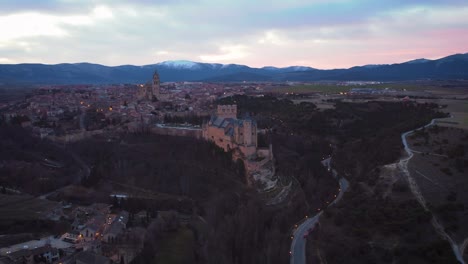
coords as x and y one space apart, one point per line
317 33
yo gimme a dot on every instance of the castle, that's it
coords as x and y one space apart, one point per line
151 91
230 133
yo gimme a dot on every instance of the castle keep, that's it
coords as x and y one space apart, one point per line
229 132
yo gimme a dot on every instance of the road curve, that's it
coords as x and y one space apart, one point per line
298 243
403 164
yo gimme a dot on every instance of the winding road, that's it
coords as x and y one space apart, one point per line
298 244
403 165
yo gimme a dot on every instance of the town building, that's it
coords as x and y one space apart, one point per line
116 226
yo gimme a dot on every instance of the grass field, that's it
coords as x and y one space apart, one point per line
301 89
177 248
459 111
22 207
333 88
459 119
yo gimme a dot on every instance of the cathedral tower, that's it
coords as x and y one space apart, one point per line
156 86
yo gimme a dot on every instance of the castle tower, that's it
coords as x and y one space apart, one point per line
227 111
248 138
156 85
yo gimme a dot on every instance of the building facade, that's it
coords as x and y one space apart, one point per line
151 91
230 133
156 86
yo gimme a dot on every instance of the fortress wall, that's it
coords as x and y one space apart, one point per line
75 136
264 152
181 132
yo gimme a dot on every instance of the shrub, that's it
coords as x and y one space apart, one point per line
447 171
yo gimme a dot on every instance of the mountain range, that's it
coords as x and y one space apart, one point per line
450 67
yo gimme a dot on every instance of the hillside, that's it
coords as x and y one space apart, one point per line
451 67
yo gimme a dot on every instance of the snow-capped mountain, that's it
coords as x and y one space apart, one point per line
287 69
180 64
450 67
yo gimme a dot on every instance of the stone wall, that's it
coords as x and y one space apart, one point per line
217 135
73 137
265 152
227 111
175 131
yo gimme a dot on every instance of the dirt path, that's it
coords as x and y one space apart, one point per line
403 166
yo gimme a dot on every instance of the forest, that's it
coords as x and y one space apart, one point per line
374 223
230 221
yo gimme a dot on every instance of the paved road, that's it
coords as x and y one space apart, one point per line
298 244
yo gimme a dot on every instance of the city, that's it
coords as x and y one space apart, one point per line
282 132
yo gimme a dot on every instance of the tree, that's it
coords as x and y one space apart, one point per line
115 202
240 169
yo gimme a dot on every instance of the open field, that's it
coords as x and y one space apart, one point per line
459 111
439 166
177 248
434 88
457 108
459 119
313 88
23 207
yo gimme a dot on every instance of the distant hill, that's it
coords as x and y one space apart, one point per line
451 67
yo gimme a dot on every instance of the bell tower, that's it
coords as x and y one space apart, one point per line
156 85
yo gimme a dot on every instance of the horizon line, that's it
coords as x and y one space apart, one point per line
120 65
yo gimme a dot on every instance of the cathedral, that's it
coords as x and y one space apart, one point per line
229 133
151 91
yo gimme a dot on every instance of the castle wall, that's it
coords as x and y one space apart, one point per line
73 137
181 132
247 133
227 111
217 135
265 153
248 150
244 136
